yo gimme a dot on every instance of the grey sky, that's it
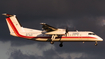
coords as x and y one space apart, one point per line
75 14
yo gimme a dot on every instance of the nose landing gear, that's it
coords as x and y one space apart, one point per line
96 43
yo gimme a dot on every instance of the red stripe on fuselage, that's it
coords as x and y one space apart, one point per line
30 37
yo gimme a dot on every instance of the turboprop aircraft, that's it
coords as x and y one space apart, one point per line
50 34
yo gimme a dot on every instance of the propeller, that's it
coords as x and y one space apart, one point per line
66 31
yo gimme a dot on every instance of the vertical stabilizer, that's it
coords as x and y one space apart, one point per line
15 28
13 24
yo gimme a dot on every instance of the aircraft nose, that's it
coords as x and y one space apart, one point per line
100 39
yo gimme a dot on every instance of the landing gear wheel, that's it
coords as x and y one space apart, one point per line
61 45
96 44
52 42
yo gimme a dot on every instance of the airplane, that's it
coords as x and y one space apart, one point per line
49 33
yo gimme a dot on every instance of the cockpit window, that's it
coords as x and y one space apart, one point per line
92 34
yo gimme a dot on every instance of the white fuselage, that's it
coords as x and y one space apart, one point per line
70 36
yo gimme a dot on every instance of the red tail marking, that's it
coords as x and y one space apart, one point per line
15 30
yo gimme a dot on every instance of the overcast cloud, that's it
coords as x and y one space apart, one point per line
87 15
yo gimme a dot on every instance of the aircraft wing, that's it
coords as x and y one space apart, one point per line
47 27
52 30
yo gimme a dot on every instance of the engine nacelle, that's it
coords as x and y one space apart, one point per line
57 32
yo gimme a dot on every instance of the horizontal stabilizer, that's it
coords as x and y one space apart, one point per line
8 15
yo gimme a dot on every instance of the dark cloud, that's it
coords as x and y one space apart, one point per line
19 55
54 8
74 14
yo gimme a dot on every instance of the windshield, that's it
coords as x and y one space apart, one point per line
92 34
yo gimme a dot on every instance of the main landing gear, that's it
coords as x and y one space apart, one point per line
52 38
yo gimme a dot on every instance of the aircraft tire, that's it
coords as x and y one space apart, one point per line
61 45
96 44
52 42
